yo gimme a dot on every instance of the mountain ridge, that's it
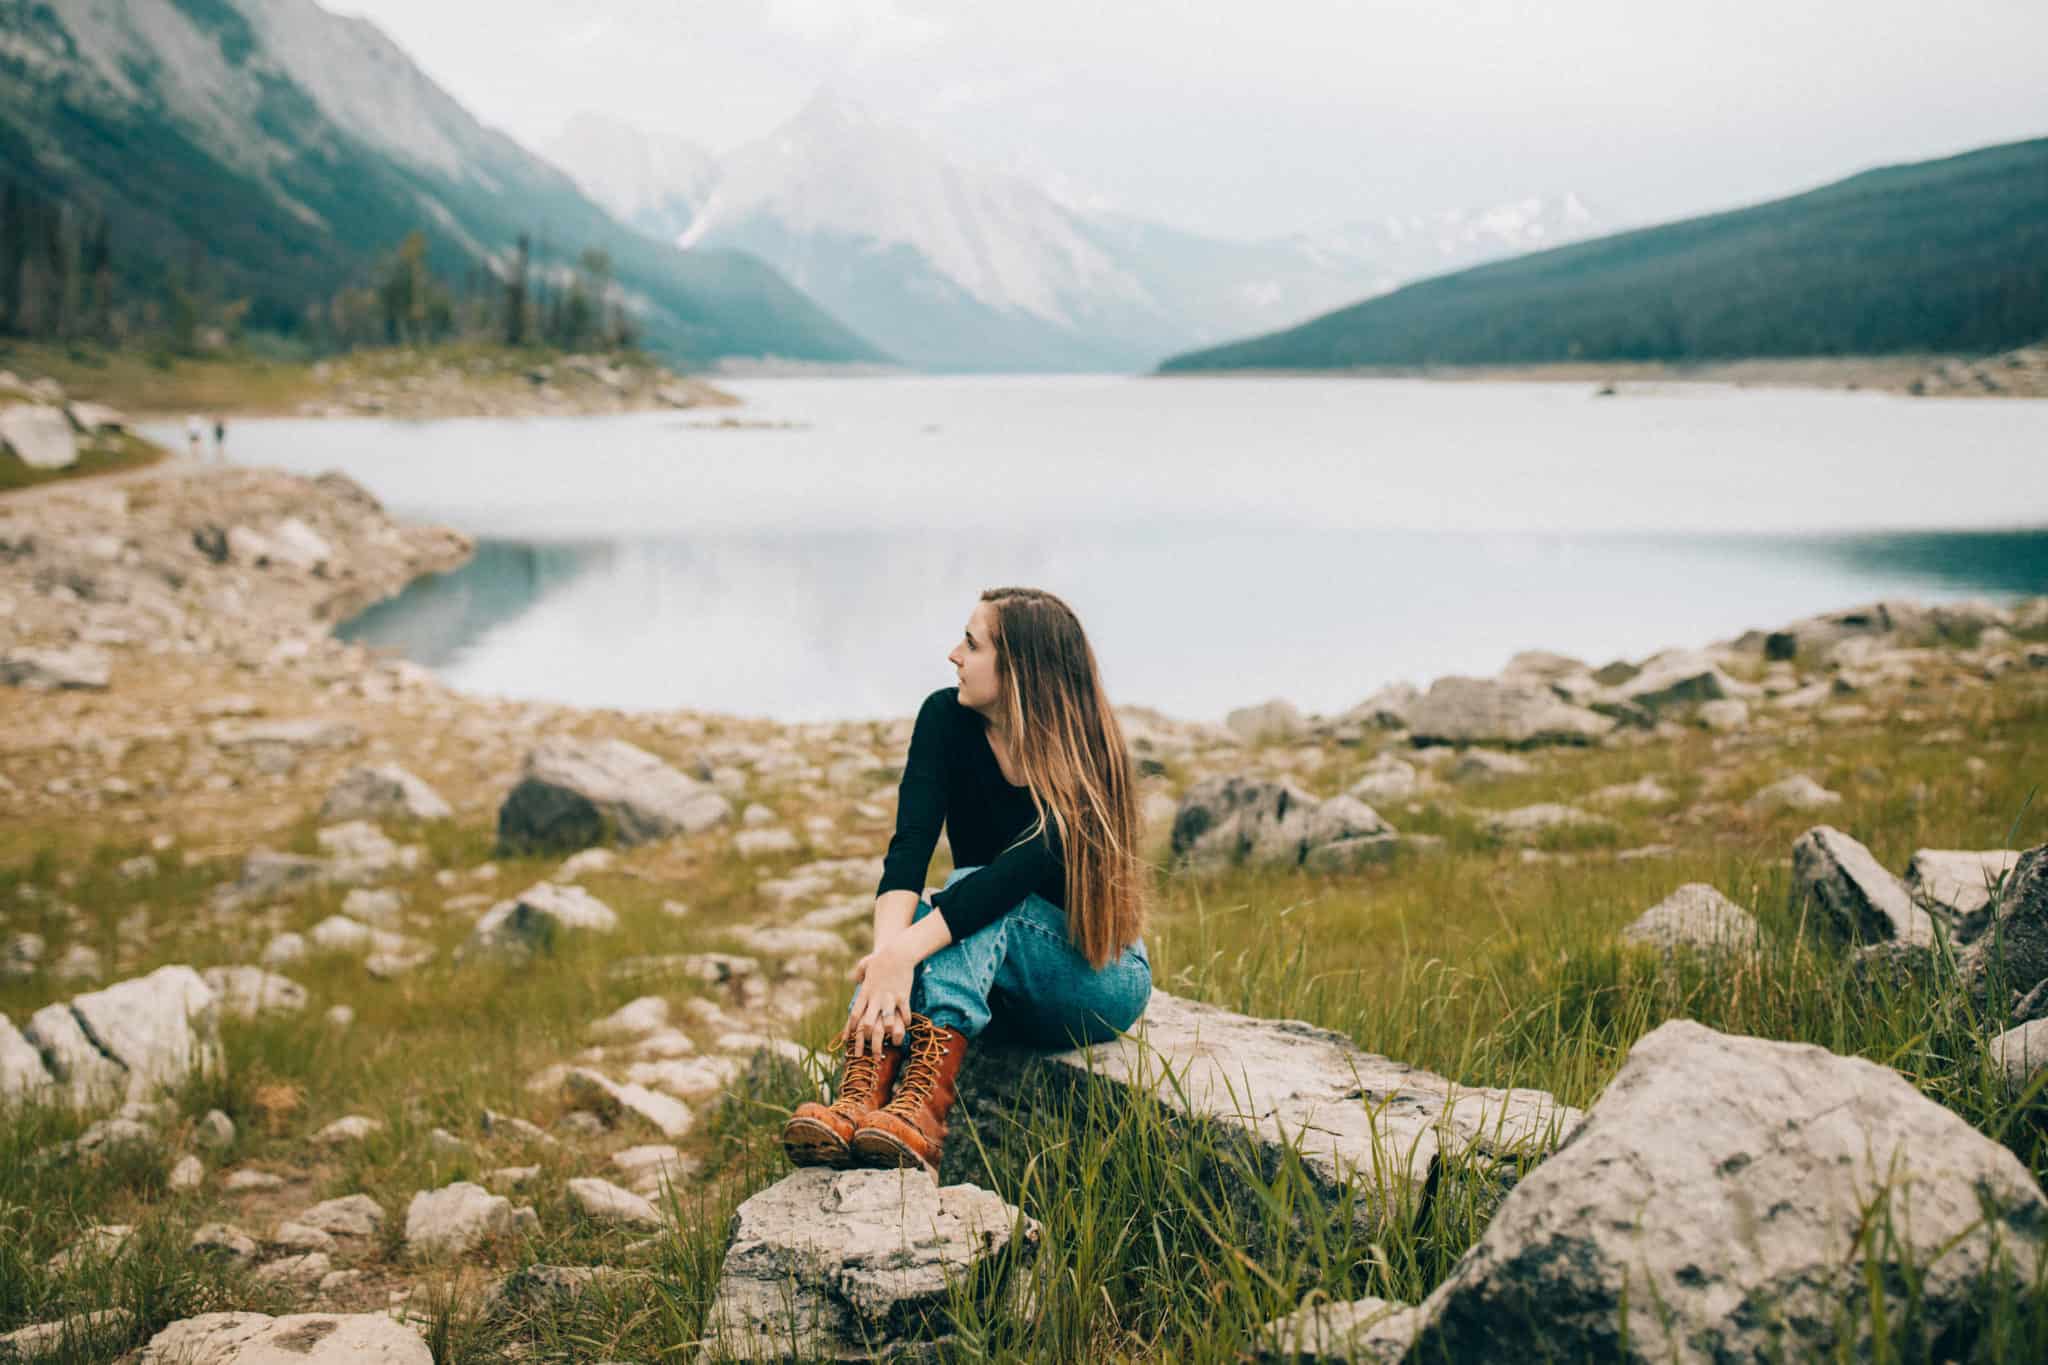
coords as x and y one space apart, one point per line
1948 255
953 267
287 147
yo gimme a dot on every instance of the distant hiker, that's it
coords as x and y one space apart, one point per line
1038 932
220 438
195 436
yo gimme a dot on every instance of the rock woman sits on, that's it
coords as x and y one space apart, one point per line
1037 933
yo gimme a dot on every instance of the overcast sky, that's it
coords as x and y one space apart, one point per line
1258 117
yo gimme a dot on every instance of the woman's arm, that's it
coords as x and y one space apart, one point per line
920 815
886 974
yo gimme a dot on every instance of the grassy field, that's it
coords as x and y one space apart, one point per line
1493 963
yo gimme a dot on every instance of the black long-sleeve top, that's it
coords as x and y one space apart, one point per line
952 780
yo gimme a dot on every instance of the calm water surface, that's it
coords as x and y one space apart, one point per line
1224 540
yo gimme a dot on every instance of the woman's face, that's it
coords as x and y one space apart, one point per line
974 659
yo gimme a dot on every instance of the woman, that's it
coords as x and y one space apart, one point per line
1038 929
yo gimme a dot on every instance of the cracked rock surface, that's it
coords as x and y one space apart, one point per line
848 1265
1713 1206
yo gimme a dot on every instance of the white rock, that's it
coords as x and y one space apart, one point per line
284 949
647 1168
573 792
1718 1172
1798 792
1959 879
22 1073
1483 711
352 1215
642 1017
40 437
1286 1086
608 1203
1853 890
215 1131
224 1240
297 1236
1485 765
350 1128
833 1264
762 843
299 1339
1694 916
455 1219
671 1117
588 861
1268 721
536 916
380 906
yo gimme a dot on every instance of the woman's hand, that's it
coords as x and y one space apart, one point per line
881 1007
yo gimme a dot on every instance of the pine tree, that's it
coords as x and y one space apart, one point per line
515 296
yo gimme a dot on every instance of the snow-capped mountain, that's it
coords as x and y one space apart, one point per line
950 267
650 181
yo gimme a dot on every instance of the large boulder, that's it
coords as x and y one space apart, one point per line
1228 820
1852 889
1274 1087
855 1265
382 792
1486 711
1730 1198
40 437
2015 946
1694 917
575 793
131 1039
299 1339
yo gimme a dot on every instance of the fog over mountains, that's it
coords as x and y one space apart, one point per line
949 267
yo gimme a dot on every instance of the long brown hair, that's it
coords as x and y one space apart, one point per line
1070 750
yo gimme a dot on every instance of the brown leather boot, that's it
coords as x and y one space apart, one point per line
821 1134
910 1130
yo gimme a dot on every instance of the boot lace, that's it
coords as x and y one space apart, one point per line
858 1079
920 1073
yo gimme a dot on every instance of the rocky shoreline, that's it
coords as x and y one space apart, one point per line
335 837
2021 373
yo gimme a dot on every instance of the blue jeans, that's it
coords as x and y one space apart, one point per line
1022 974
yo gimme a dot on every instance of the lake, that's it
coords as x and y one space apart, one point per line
1224 540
